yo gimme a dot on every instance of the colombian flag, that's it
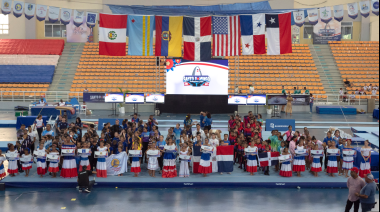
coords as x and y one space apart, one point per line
140 32
169 36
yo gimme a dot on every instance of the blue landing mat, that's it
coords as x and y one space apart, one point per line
347 110
235 180
7 123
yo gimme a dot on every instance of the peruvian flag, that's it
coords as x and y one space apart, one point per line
253 34
112 34
279 32
197 38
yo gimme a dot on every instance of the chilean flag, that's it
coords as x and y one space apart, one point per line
279 33
225 158
197 38
196 158
268 158
112 34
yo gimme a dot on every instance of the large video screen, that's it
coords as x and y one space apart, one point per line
237 99
256 99
199 78
134 98
155 98
277 100
114 98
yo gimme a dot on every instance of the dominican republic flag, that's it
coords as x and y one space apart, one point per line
112 34
226 36
196 158
197 38
279 30
253 34
268 158
225 158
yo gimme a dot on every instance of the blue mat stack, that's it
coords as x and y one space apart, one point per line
347 110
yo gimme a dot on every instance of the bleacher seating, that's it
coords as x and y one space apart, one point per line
29 59
32 47
26 74
269 73
358 61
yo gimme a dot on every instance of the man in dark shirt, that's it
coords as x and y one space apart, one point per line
84 184
91 158
62 126
116 128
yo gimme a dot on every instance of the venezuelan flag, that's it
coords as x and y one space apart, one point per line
169 36
140 32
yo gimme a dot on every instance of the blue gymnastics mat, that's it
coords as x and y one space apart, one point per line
347 110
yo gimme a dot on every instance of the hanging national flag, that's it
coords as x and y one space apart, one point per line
375 7
299 18
326 16
268 158
226 36
196 159
66 15
253 34
41 12
169 36
91 19
313 16
29 10
197 38
364 8
112 34
140 33
225 158
338 12
6 6
53 14
279 30
353 10
18 7
78 17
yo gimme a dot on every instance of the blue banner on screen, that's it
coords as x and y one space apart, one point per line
257 99
237 99
114 98
155 98
93 97
134 98
279 124
199 78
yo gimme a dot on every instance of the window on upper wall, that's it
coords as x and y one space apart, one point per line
308 31
347 29
4 24
54 30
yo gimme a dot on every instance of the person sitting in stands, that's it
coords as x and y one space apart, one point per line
295 90
307 92
347 83
352 98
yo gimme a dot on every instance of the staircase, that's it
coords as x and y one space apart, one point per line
65 71
327 68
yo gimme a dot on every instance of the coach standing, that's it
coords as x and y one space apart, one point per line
367 194
354 185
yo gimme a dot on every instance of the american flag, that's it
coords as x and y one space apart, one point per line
226 36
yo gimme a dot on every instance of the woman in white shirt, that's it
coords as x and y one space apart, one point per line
39 124
214 142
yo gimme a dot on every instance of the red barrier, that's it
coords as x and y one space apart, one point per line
32 46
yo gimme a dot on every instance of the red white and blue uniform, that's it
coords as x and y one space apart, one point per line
69 165
170 169
41 164
12 165
84 162
26 166
135 167
101 165
348 161
53 166
316 165
332 165
205 166
2 170
286 169
252 162
365 166
299 161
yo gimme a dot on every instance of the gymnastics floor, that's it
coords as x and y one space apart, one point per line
237 179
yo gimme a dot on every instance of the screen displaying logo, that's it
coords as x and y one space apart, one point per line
196 79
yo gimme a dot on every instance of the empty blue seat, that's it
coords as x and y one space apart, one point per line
26 74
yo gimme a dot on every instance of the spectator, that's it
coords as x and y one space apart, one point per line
48 131
367 194
20 132
135 119
307 92
208 121
155 122
85 90
352 98
347 83
62 126
251 89
311 103
116 128
354 185
199 130
188 121
236 89
201 118
341 93
374 92
357 92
